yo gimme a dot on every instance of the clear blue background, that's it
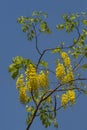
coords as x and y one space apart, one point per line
13 42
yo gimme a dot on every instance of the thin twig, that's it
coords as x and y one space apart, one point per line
33 98
50 49
77 65
36 40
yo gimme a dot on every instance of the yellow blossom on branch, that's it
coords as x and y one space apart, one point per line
64 55
71 96
43 79
65 58
31 78
67 97
22 95
69 77
60 70
20 82
64 100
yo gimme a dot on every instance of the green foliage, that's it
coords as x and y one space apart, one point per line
84 21
43 63
40 101
47 115
30 23
39 14
18 63
85 92
44 28
84 66
69 23
56 50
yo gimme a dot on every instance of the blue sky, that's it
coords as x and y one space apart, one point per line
13 42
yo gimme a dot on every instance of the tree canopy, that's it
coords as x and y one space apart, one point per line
43 90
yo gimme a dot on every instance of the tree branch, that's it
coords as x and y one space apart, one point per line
36 40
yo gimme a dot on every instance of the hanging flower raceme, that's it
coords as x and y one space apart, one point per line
69 77
43 79
34 81
71 96
31 78
20 85
67 97
64 100
60 71
20 82
64 71
31 82
22 95
65 58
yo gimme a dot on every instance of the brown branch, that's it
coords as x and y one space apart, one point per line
55 105
54 90
33 98
34 115
50 49
43 98
36 40
77 65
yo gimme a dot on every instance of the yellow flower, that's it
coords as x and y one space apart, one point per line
22 95
64 55
43 79
67 78
20 82
30 71
64 100
71 96
67 61
60 70
31 78
65 58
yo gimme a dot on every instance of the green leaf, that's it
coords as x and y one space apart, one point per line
85 92
56 50
84 21
18 60
21 20
30 35
14 73
85 31
84 66
39 13
74 41
44 28
43 63
55 123
60 26
13 69
18 63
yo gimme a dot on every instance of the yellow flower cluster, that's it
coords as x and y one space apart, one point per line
43 79
69 77
20 82
64 71
64 100
60 71
69 96
22 95
33 81
31 78
20 85
65 58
